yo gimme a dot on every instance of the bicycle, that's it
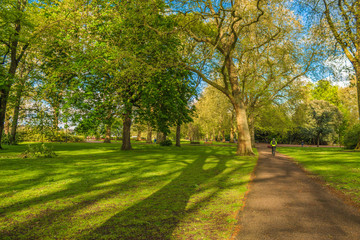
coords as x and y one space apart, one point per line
273 151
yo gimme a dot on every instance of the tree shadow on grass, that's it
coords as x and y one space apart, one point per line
157 216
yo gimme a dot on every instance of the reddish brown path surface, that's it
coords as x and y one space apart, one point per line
284 203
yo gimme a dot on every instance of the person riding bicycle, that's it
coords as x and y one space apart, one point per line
273 144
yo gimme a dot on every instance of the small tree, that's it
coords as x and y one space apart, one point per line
323 117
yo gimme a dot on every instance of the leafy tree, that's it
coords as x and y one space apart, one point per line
14 39
227 36
323 90
323 117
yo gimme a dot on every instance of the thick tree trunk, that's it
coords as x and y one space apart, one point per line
232 128
218 136
108 134
223 136
7 124
14 62
149 134
252 130
138 138
232 135
244 140
16 115
126 143
357 73
4 94
178 135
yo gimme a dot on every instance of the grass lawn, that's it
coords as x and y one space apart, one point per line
338 167
95 191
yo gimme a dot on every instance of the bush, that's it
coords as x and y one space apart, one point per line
42 150
5 139
352 136
166 142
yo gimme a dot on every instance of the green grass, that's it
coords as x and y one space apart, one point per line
338 167
95 191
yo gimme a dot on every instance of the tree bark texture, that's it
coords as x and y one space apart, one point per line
149 135
126 143
232 135
4 94
16 115
178 135
7 124
244 140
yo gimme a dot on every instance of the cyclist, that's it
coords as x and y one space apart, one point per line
273 144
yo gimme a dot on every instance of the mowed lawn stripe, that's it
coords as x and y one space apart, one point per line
92 191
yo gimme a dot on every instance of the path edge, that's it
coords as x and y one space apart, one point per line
347 200
237 226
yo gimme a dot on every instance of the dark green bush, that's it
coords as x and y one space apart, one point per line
352 136
166 142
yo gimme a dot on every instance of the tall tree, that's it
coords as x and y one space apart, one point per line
221 30
343 20
14 39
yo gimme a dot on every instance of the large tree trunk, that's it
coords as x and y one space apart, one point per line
108 134
252 130
244 140
232 135
4 94
178 135
357 73
126 143
139 135
14 62
223 136
16 115
149 134
7 124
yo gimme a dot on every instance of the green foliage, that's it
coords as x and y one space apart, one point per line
352 136
324 116
6 139
166 142
36 150
327 92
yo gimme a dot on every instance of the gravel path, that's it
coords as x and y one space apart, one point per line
284 203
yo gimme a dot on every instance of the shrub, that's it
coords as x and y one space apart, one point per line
166 142
42 150
352 136
5 139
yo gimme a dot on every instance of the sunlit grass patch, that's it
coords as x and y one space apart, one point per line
338 167
92 191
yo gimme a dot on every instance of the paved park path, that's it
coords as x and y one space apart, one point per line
284 203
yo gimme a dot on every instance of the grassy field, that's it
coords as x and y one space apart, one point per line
338 167
95 191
